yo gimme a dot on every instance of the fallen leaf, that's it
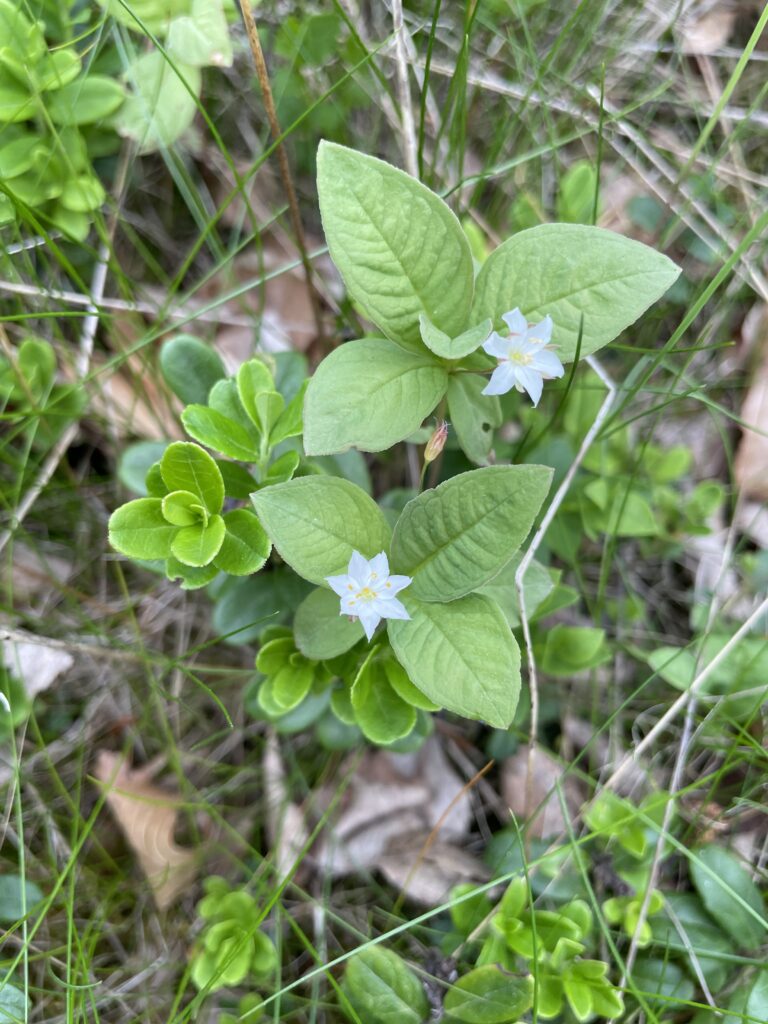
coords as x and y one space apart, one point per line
425 870
706 33
147 815
286 826
750 468
403 814
36 665
547 818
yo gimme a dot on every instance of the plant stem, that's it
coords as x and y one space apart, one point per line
282 157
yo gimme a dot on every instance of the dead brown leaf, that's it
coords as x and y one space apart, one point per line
34 573
705 33
751 463
147 815
403 814
547 817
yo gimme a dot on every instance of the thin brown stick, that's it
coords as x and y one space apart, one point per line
282 157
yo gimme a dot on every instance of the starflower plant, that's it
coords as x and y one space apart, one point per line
525 358
368 592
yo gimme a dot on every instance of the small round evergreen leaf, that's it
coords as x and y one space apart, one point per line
187 467
190 368
245 547
730 895
488 995
383 989
182 508
139 530
199 545
382 715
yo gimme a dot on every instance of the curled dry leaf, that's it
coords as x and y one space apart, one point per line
402 814
547 817
751 463
147 815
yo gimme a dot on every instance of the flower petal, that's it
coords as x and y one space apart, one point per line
516 322
496 346
541 331
350 604
340 585
531 380
369 617
546 362
380 566
394 609
502 380
359 568
393 586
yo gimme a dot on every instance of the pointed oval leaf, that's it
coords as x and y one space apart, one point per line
369 394
245 547
472 415
457 537
198 545
453 348
462 655
569 270
139 530
399 248
381 713
316 522
321 631
186 467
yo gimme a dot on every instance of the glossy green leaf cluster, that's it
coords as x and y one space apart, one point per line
232 947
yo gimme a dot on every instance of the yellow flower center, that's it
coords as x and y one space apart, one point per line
366 594
523 358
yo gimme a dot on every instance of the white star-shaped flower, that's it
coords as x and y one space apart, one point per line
368 592
525 361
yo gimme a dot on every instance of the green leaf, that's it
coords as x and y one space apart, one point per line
189 577
537 586
383 989
321 631
291 684
190 368
576 198
182 508
139 530
15 894
136 461
16 156
662 978
186 467
85 101
199 545
217 431
570 649
245 547
14 1005
162 104
201 39
443 345
253 382
399 248
462 655
488 995
569 270
316 522
472 415
290 423
382 715
403 687
238 482
730 895
369 394
282 469
455 538
82 194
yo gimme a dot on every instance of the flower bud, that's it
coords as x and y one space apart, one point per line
436 443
